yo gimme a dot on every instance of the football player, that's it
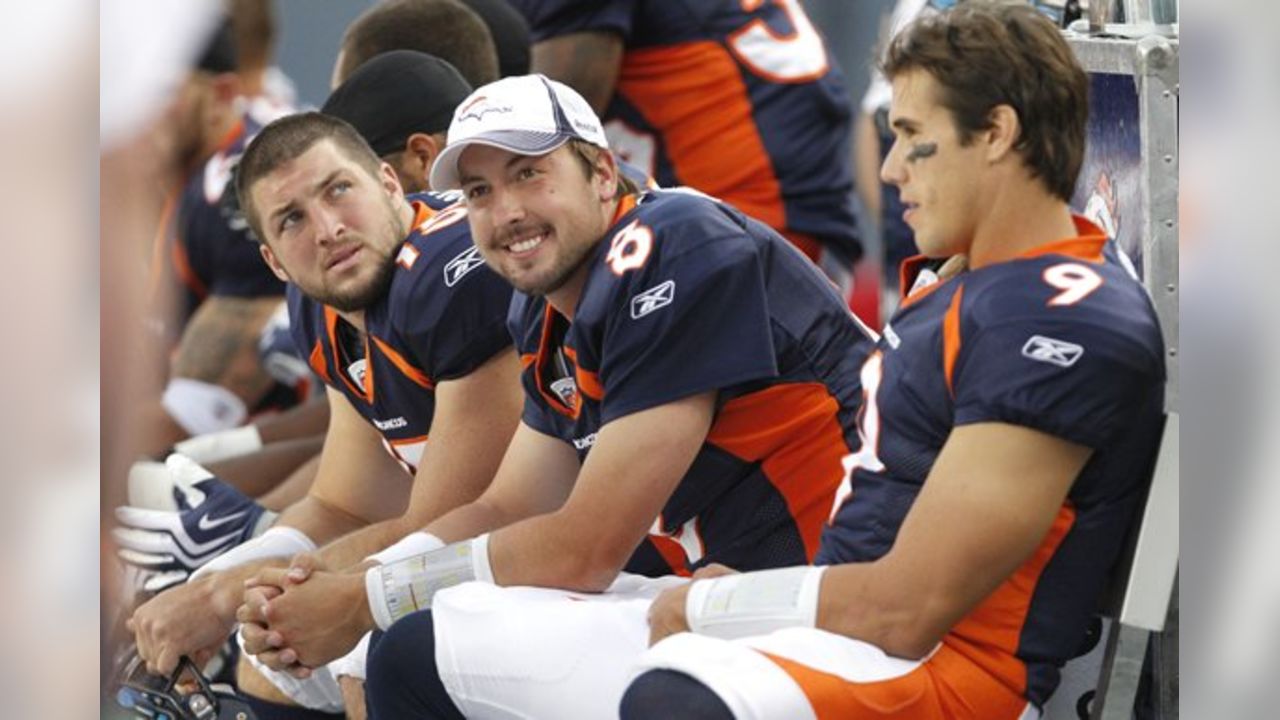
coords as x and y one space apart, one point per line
1012 416
406 326
741 100
690 383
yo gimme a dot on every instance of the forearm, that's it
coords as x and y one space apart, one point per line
544 551
901 624
471 520
587 61
320 521
350 550
258 473
306 420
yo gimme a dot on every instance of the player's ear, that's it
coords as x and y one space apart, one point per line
421 151
1002 132
269 257
389 180
606 174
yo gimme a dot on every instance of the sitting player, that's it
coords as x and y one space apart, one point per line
689 377
408 333
1012 417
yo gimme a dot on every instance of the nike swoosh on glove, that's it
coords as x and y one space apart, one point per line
210 518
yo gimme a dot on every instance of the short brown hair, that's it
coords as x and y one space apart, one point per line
444 28
986 54
254 25
284 140
587 155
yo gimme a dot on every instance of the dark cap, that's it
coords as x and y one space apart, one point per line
397 94
510 34
219 55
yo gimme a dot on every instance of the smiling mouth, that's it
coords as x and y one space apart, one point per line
526 242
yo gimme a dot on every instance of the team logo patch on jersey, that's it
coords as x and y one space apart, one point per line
464 263
356 371
1054 352
567 390
653 299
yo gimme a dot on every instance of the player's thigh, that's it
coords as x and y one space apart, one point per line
537 652
806 673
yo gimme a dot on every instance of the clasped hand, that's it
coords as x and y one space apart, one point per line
299 618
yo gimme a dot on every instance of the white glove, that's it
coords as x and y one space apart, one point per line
208 518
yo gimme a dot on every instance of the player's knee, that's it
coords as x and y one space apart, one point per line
670 694
401 676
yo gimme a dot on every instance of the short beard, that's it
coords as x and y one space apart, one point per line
362 297
559 275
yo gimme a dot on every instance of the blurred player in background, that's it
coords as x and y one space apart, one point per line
447 29
741 100
207 264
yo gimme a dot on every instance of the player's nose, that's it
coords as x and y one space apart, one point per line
894 169
330 226
507 207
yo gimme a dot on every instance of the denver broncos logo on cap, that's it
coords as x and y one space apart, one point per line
475 110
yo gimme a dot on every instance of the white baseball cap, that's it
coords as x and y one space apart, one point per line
527 115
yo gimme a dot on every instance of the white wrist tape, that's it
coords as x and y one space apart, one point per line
412 544
275 542
216 446
201 407
353 663
408 585
755 603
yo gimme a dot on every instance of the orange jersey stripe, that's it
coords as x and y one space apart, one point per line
317 362
541 360
657 80
588 382
673 553
1087 246
793 430
989 635
182 265
331 325
404 366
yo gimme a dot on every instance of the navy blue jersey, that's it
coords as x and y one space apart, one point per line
443 316
284 361
210 249
1062 340
687 295
740 100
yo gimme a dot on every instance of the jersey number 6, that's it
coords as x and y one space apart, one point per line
630 248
